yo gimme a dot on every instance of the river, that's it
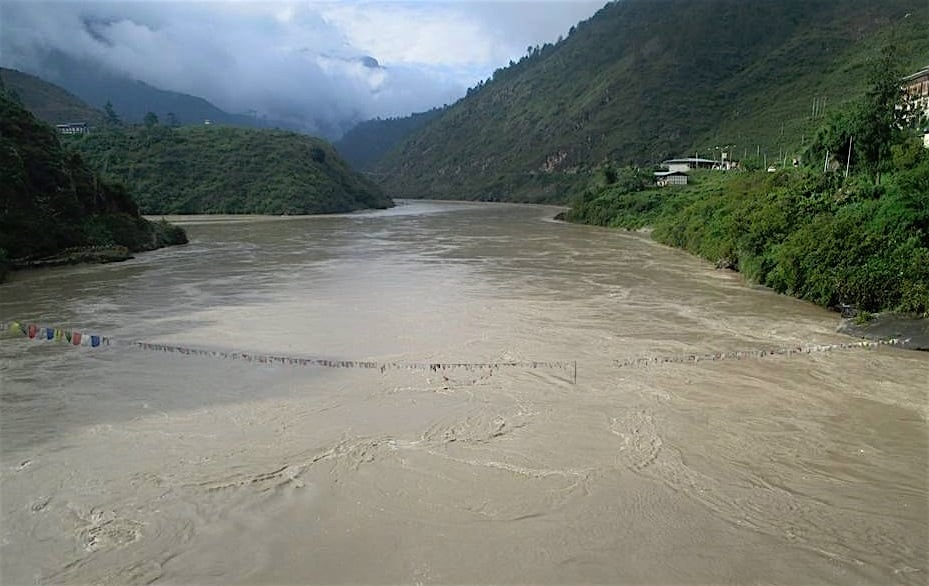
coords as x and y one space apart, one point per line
121 465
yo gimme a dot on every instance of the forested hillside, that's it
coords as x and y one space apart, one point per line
47 101
644 80
50 200
368 142
213 169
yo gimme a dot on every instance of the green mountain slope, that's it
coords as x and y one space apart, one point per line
644 80
49 102
213 169
51 201
369 141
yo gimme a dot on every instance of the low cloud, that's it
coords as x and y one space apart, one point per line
333 62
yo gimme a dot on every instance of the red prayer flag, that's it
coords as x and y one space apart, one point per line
76 338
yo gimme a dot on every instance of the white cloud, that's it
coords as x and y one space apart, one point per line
294 59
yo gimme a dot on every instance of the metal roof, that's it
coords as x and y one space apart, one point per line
689 160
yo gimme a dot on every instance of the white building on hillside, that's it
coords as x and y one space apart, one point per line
664 178
72 128
689 163
916 98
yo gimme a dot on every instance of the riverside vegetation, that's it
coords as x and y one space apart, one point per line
53 205
808 232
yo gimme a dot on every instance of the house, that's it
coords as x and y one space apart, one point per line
916 90
72 128
916 98
664 178
689 163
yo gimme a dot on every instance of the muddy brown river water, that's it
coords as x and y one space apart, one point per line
120 465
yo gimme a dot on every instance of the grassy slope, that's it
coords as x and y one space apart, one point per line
641 81
212 169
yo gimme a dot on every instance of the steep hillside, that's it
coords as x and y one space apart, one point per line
47 101
51 201
853 233
369 141
213 169
643 80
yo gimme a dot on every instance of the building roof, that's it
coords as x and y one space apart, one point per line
921 73
689 160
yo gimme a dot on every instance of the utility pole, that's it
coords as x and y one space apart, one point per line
848 161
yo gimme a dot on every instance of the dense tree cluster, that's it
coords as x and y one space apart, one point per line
216 169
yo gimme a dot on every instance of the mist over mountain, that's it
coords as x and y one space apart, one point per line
48 102
316 67
133 99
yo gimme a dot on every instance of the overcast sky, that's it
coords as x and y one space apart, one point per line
292 58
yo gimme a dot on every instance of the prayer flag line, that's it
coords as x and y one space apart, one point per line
762 353
35 332
76 338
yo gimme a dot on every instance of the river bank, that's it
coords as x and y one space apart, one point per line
911 330
804 233
76 255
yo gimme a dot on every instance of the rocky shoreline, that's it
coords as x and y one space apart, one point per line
71 256
912 330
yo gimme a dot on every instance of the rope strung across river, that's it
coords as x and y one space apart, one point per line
76 338
742 354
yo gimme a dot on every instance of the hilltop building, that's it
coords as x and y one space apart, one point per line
72 128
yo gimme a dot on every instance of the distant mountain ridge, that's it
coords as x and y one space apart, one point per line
645 80
369 141
133 99
50 103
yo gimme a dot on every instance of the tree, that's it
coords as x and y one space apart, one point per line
151 120
111 116
880 120
172 120
865 133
